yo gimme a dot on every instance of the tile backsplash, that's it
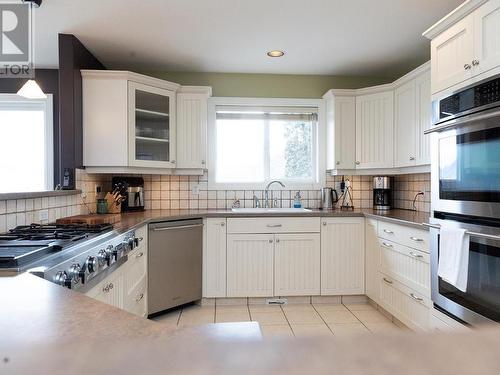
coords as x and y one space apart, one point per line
176 192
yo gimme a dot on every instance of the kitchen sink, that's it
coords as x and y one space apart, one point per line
269 210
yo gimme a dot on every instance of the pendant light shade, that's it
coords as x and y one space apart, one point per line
31 90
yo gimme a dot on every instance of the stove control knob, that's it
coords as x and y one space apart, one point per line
74 273
91 264
102 257
130 243
62 279
109 254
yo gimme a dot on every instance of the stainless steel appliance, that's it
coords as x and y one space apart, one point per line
174 264
466 193
132 191
329 197
382 193
74 256
481 301
466 151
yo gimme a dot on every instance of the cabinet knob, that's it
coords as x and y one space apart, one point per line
203 162
270 241
324 222
475 62
277 240
222 224
412 158
358 163
173 161
337 163
467 66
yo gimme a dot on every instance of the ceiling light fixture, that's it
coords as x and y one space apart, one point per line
275 53
31 90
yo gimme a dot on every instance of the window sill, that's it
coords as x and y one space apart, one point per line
37 194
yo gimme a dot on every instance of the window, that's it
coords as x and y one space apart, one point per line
253 145
26 144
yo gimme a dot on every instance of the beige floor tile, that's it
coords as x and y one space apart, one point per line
326 299
303 317
348 329
231 308
371 317
170 318
232 316
194 319
311 330
298 307
338 317
320 307
277 331
383 327
196 309
360 307
264 308
354 299
231 301
268 318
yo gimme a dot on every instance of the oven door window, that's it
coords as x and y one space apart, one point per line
469 166
483 284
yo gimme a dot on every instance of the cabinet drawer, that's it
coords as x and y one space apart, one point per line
409 266
410 307
135 300
135 269
408 236
274 225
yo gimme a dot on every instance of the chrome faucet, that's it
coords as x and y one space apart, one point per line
266 192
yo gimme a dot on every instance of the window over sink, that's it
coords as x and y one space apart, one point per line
253 143
26 144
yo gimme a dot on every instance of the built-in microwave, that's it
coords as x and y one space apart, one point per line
466 151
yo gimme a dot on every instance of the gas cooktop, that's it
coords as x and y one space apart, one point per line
27 243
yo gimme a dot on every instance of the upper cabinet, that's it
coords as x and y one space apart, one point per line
135 123
412 116
465 44
375 130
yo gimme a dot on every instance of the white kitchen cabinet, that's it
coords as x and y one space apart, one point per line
110 290
375 130
452 53
372 260
192 104
128 120
297 264
214 258
405 123
341 129
250 265
486 37
412 116
342 256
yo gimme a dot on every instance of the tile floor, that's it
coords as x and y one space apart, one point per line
299 320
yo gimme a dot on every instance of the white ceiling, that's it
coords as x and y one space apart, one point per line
341 37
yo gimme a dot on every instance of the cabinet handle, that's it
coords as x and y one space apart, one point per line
337 163
173 161
416 298
139 255
277 240
387 280
388 231
274 225
387 245
222 224
467 66
141 296
324 223
416 239
203 162
475 62
140 239
415 255
357 163
412 158
270 241
110 285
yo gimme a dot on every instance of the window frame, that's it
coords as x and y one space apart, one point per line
319 146
12 101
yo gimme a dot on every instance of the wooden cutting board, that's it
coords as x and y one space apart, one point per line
91 219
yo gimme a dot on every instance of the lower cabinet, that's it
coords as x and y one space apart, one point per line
343 256
110 290
250 263
297 264
372 260
214 258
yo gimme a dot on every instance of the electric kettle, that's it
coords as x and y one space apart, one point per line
327 198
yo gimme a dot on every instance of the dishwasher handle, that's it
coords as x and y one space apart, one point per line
161 229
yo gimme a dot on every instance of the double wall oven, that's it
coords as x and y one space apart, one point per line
466 194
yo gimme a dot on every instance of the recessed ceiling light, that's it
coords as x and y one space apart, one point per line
275 53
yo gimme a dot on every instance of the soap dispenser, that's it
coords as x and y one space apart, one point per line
297 203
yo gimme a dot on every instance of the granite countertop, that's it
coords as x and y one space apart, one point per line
133 220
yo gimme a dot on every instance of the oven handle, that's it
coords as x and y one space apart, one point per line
463 121
472 234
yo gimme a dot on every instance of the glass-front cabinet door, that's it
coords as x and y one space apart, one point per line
151 126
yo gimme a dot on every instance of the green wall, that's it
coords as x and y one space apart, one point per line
268 85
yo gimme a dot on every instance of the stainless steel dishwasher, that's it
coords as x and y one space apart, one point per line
174 264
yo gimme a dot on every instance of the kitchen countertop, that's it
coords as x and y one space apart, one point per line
133 220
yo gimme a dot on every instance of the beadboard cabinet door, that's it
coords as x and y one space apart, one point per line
487 37
372 262
375 130
297 264
192 126
250 265
214 258
405 123
343 256
424 119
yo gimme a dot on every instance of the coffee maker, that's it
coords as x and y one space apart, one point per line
132 189
382 193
